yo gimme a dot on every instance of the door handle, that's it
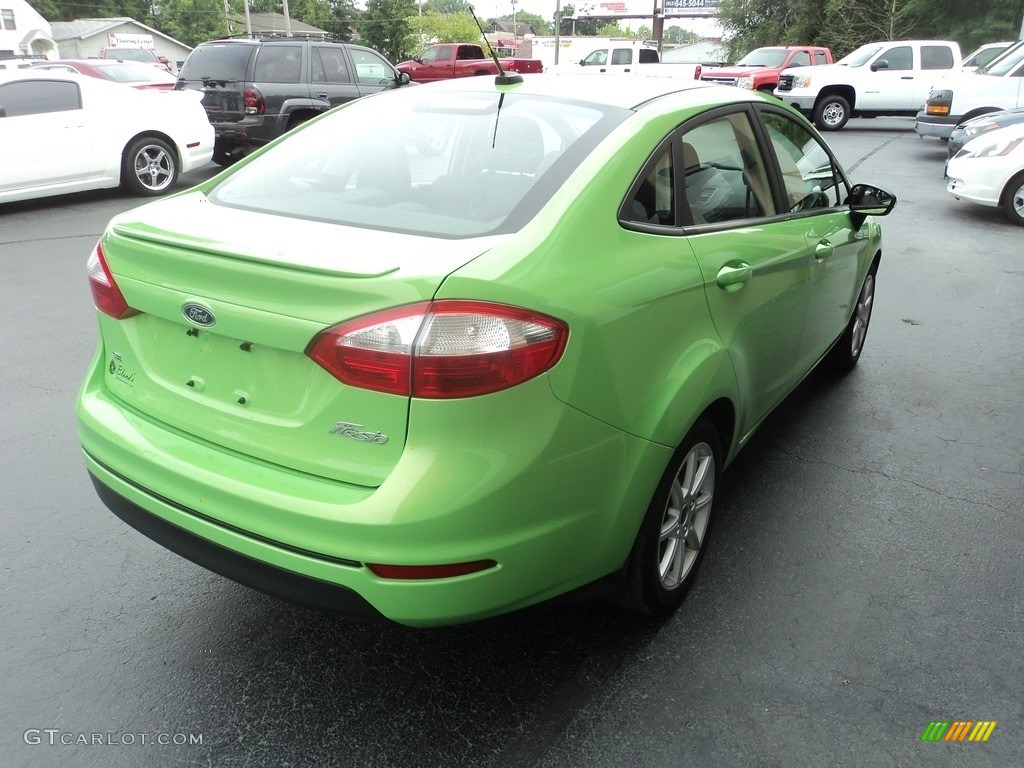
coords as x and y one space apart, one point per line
321 95
731 277
626 69
907 77
823 250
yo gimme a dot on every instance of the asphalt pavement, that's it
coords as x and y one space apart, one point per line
864 577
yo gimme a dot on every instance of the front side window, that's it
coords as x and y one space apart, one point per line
38 97
596 58
810 178
726 177
371 69
801 59
7 19
899 58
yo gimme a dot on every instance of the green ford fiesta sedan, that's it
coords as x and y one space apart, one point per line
451 351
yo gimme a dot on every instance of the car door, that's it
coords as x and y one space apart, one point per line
897 85
814 191
51 130
332 78
753 261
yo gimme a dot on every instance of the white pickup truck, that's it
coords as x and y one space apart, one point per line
886 78
629 58
961 97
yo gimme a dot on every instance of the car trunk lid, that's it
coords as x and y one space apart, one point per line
226 313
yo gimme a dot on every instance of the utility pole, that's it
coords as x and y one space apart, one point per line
558 27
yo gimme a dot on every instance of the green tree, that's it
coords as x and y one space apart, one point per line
611 29
385 27
447 6
192 21
676 35
443 28
577 27
524 17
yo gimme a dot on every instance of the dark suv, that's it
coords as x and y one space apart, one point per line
256 90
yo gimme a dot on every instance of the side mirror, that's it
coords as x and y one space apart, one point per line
402 78
866 200
417 59
3 112
880 64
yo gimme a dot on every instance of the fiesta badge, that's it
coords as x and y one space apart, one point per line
197 314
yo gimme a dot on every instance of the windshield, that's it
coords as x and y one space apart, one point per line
861 56
424 162
1005 63
132 54
764 57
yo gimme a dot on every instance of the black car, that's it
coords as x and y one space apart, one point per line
256 90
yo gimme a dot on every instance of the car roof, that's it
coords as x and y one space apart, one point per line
627 91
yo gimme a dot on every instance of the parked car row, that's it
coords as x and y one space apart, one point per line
981 114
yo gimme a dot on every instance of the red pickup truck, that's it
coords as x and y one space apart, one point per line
448 60
759 70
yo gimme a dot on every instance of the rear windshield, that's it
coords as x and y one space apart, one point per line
217 61
424 161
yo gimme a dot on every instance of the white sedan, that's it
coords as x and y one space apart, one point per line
69 133
989 170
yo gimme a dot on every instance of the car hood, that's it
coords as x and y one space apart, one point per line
732 71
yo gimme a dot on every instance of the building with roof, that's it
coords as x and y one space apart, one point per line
24 33
273 25
85 38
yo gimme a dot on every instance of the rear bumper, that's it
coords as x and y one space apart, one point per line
249 571
935 126
552 495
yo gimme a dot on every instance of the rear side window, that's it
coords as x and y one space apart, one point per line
622 56
648 56
936 57
217 61
278 64
36 97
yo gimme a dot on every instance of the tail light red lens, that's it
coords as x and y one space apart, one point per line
441 349
105 294
697 72
253 101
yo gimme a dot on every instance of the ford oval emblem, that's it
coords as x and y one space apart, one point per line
197 314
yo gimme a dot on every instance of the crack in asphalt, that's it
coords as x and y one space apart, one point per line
873 152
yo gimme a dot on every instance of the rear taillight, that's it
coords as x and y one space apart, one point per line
254 103
697 72
441 349
105 294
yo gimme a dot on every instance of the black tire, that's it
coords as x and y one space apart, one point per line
1013 200
844 355
768 89
831 113
149 167
659 573
224 159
